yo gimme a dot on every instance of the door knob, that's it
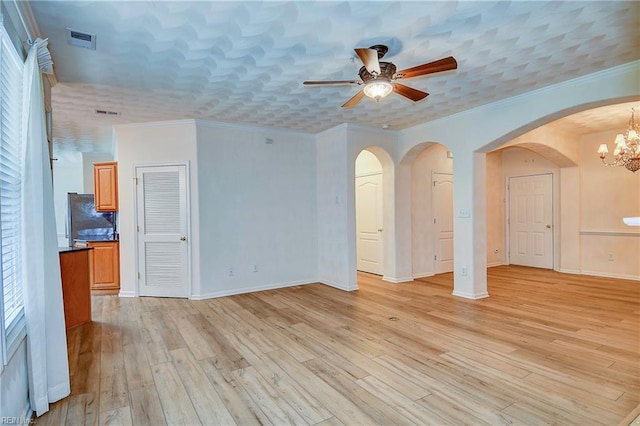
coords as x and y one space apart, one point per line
548 226
380 230
183 238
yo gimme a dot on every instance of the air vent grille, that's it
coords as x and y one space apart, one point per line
105 112
81 39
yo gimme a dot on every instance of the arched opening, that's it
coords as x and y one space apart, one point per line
587 238
432 210
374 213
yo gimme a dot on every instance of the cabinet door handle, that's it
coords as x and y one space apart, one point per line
183 238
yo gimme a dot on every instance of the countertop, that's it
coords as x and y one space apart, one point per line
70 249
94 238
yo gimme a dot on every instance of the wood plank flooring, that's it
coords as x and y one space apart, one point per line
545 348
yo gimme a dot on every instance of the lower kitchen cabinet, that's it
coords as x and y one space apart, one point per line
105 267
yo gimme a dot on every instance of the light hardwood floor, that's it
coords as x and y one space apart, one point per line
545 348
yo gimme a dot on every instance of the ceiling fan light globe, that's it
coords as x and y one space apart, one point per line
378 89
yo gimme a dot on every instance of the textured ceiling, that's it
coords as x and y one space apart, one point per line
244 62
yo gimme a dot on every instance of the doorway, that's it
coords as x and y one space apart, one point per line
369 213
442 208
530 220
162 237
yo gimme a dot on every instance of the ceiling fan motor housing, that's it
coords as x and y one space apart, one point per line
387 71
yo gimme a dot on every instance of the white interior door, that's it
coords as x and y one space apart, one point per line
369 223
531 221
442 208
163 261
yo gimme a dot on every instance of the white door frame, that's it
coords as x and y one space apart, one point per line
434 239
136 224
554 219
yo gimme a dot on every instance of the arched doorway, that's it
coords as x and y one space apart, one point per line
369 196
431 210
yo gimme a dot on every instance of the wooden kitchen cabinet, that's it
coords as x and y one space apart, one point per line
105 185
105 267
76 280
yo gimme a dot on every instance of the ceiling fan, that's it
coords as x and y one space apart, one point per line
379 78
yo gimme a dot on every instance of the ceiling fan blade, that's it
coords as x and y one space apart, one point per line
444 64
409 92
369 58
309 83
354 100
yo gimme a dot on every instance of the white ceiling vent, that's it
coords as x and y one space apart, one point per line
81 39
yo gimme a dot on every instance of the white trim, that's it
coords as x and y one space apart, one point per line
423 275
570 271
494 264
610 233
244 290
269 130
397 280
338 286
473 296
127 294
369 173
167 123
197 122
610 275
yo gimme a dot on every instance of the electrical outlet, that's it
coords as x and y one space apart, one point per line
465 271
610 257
230 272
255 268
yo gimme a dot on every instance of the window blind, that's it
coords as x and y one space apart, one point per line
11 171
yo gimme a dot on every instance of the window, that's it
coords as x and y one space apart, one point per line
11 171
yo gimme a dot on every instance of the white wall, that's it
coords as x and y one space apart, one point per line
67 177
333 218
14 385
172 142
258 209
87 169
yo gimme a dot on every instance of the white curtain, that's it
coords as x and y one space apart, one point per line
44 311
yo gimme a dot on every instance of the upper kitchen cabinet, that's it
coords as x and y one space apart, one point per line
105 181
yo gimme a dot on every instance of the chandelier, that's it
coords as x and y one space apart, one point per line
627 151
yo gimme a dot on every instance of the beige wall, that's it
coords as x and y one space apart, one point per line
607 246
495 210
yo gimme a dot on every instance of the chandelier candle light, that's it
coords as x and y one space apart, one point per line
627 151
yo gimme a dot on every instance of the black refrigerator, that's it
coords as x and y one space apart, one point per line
85 223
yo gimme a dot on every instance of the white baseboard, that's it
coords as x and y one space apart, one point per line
609 275
491 265
397 280
127 294
244 290
423 275
570 271
472 296
338 286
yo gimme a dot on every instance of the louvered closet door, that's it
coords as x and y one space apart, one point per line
163 263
